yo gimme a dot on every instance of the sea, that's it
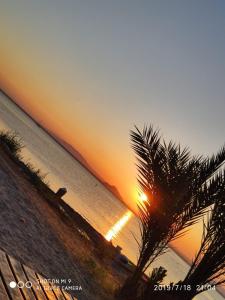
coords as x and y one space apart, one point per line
85 193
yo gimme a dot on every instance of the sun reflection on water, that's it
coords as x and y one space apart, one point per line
116 228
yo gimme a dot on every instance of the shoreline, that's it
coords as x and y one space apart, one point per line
54 138
42 231
72 218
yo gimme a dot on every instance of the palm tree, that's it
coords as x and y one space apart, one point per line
208 266
179 188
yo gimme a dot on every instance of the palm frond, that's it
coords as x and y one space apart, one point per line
180 188
209 263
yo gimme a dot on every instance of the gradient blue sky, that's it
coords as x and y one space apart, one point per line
90 70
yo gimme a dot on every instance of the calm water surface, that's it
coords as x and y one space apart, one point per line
85 193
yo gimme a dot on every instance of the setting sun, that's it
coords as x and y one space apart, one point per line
143 197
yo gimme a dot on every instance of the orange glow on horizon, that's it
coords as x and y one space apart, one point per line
50 116
104 167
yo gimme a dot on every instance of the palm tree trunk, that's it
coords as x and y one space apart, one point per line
130 289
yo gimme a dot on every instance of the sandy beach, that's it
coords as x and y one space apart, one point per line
35 233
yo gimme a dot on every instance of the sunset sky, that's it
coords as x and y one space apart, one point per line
90 70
